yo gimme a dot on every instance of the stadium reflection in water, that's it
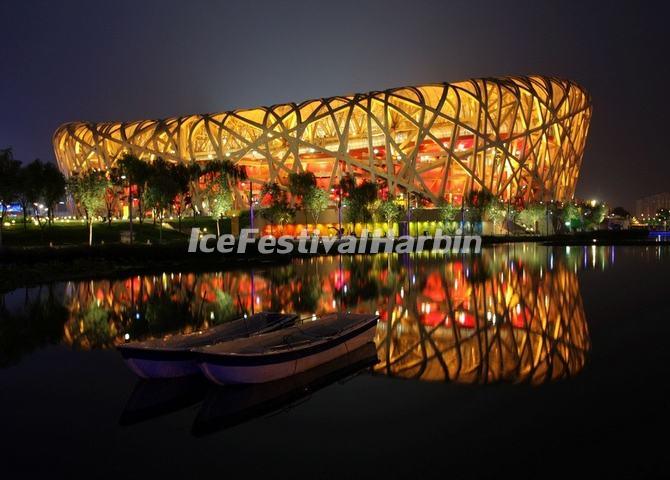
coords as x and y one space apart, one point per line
513 313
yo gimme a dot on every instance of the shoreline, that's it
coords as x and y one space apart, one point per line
25 267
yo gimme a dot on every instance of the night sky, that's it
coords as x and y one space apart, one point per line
130 60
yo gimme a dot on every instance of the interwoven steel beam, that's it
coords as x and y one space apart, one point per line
518 137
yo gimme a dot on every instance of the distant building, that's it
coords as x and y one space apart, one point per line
648 206
617 222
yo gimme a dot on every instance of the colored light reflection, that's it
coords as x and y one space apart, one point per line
513 313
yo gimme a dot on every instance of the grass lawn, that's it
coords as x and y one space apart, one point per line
75 232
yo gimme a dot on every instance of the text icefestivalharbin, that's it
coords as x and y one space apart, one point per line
348 244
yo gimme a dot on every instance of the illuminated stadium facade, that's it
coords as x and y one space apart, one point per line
517 137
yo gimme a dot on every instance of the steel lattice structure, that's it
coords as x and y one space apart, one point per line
517 137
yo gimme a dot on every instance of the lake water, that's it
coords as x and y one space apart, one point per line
524 360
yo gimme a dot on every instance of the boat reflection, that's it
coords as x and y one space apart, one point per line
231 405
155 398
226 406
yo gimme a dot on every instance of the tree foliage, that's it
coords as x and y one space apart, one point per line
592 215
620 212
161 190
53 187
571 216
389 211
495 211
315 201
278 210
476 202
88 190
136 173
448 211
360 199
225 169
301 184
532 214
9 188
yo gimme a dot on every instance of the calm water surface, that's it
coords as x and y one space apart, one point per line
523 360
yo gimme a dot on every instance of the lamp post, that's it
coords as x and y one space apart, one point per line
462 213
409 210
337 191
546 216
508 222
130 208
339 215
251 204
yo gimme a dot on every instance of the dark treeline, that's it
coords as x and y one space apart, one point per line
36 186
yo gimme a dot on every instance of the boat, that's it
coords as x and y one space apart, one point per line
286 352
173 356
227 406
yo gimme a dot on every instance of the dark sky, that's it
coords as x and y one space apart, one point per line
128 60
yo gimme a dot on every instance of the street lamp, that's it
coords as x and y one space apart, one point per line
251 204
130 208
338 196
409 211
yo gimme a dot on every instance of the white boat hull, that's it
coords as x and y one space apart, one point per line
227 374
171 357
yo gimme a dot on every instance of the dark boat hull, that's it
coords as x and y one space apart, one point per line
164 367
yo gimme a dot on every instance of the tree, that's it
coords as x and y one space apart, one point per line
194 174
132 172
448 212
495 211
111 201
88 190
221 174
161 191
300 184
593 214
9 171
570 215
662 217
226 169
532 214
360 198
620 212
389 211
53 188
279 210
315 201
475 204
219 200
182 176
30 186
347 184
282 213
479 199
